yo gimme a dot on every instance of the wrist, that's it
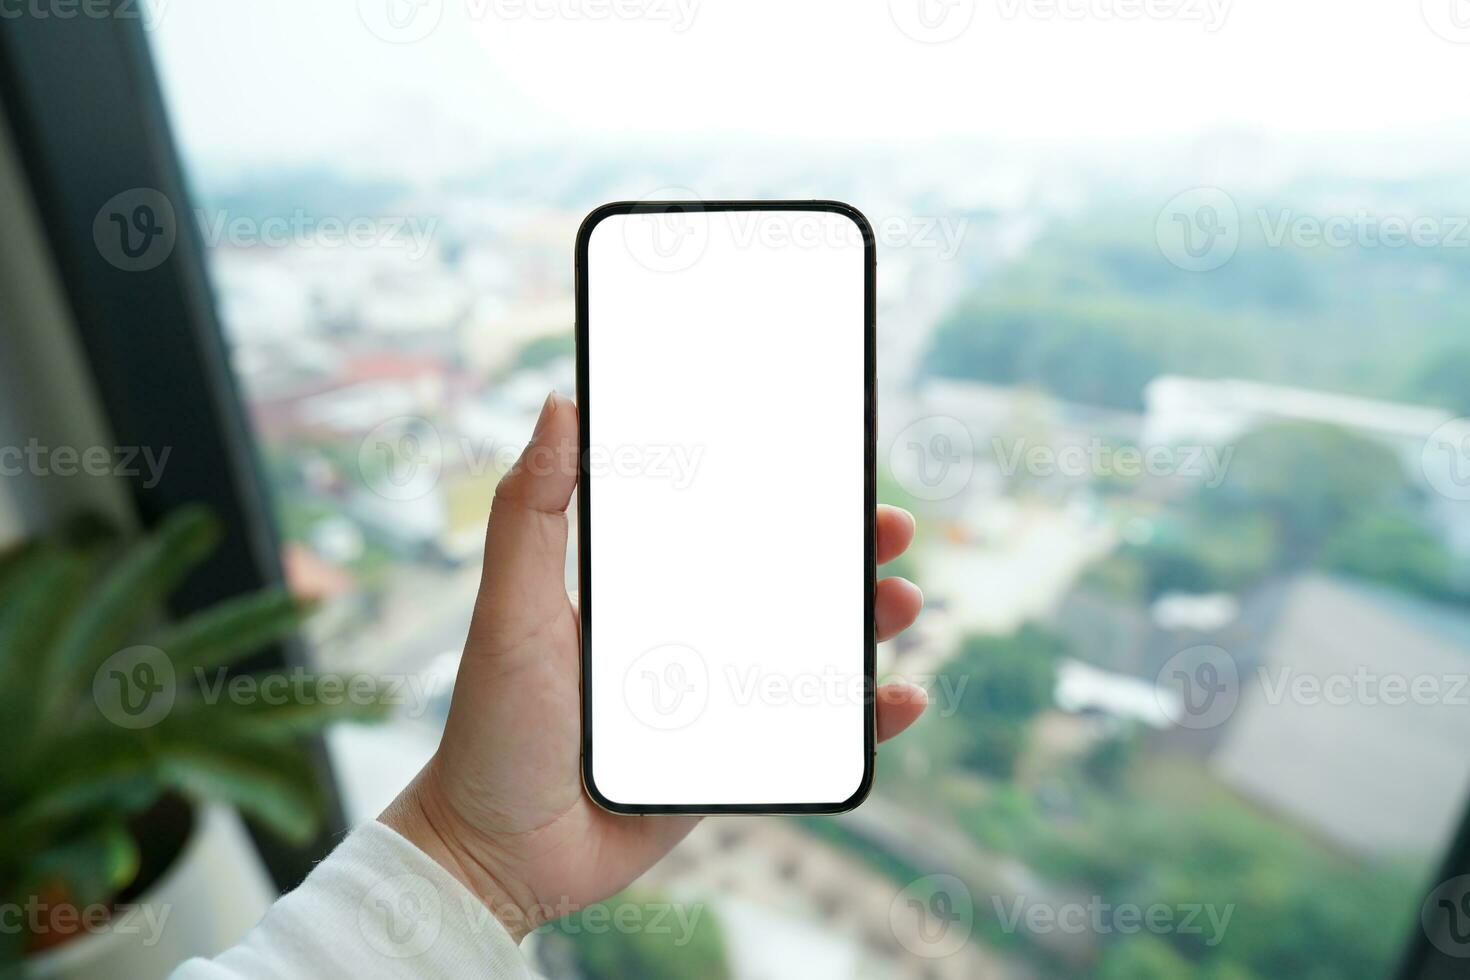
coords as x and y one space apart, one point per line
422 816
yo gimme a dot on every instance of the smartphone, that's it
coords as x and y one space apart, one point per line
725 377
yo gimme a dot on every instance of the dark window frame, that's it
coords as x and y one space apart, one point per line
83 101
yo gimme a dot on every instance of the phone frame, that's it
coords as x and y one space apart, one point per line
870 496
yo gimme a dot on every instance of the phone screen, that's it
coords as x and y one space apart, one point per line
725 379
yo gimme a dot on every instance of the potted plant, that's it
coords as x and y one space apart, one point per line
127 749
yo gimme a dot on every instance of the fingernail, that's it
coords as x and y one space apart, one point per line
547 410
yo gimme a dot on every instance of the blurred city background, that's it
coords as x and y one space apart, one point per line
1171 323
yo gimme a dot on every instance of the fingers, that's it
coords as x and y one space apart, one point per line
895 532
899 706
898 603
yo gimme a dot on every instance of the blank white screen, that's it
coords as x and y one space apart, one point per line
725 372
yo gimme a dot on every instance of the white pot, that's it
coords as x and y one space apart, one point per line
209 898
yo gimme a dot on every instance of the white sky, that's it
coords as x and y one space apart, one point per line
302 80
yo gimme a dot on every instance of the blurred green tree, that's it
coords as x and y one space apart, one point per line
1078 354
662 941
1007 681
1394 549
1309 479
1445 381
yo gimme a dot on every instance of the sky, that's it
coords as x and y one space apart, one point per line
287 81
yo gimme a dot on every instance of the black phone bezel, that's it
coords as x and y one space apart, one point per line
869 531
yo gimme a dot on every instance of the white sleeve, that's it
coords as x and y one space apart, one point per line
376 907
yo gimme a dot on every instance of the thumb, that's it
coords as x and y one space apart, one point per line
522 584
542 479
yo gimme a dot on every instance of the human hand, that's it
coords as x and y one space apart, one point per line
501 804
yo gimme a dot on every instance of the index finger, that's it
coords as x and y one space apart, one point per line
895 532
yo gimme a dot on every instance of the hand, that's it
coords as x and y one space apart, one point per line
501 804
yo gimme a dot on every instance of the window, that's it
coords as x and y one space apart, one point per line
1172 371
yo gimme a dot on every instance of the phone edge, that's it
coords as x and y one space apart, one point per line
870 492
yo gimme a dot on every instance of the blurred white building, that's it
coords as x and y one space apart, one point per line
1182 410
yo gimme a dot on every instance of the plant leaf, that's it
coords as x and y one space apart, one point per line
87 770
40 589
280 705
230 630
276 785
148 571
94 865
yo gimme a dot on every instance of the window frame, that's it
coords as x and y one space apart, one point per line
151 339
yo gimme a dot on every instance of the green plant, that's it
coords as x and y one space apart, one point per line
634 934
1009 680
77 775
